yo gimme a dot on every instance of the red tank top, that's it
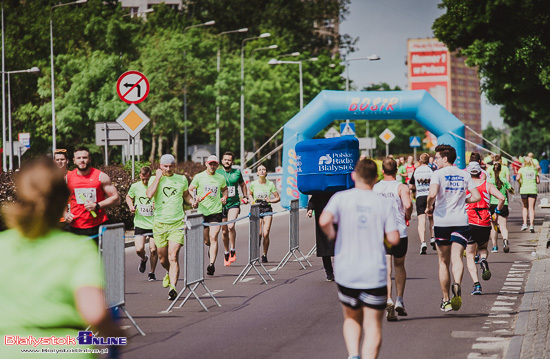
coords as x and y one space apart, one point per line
478 213
85 187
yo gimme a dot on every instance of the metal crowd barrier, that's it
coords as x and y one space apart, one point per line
111 250
293 237
253 246
193 259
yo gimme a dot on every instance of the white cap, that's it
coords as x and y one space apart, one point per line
167 159
212 158
473 168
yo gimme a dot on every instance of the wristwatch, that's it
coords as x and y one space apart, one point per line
97 206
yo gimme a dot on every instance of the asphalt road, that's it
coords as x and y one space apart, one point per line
299 316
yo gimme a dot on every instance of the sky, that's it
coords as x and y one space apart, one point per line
383 27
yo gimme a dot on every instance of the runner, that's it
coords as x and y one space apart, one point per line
324 247
211 195
398 195
168 191
232 207
504 173
91 192
363 220
401 170
142 208
504 187
448 193
61 159
409 169
528 179
479 218
420 181
260 192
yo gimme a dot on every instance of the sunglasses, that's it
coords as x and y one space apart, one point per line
61 150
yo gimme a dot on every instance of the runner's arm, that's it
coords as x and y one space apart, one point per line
130 203
406 199
152 188
187 197
111 194
276 199
475 196
393 237
244 190
224 195
90 303
434 189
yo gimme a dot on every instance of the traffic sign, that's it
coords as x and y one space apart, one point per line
25 139
132 87
387 136
347 128
414 141
331 133
133 120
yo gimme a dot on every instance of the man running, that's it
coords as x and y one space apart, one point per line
211 195
420 181
91 192
448 187
142 208
61 159
398 195
364 219
232 207
168 191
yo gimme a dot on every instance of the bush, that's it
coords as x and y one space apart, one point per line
121 177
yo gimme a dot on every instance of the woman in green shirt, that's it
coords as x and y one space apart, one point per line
528 178
502 184
262 192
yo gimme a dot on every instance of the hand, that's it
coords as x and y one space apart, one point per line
89 206
158 173
245 200
133 209
309 213
224 200
68 217
429 211
195 203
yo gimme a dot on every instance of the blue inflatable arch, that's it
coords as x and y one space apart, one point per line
328 106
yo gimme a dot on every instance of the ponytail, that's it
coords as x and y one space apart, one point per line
496 169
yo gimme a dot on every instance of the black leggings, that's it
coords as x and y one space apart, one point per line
327 264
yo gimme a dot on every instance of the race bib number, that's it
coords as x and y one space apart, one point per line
85 194
530 175
212 189
146 210
262 196
231 191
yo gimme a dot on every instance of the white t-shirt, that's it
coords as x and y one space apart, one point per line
363 218
422 176
389 190
450 202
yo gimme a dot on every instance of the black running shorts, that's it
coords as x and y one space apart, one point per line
421 203
479 234
444 236
399 250
357 298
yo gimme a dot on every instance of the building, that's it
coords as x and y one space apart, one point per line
137 7
431 67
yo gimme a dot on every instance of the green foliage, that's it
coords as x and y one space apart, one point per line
137 167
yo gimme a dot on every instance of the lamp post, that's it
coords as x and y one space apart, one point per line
244 29
4 164
185 144
52 75
277 62
292 54
10 138
265 34
372 57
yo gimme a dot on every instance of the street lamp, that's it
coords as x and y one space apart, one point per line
244 29
372 57
293 54
265 34
10 138
277 62
270 47
51 57
208 23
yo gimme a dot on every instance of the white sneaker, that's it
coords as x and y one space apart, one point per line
524 227
423 248
400 309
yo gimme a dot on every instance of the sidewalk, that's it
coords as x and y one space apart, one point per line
532 330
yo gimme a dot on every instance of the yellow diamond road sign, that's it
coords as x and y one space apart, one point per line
387 136
133 120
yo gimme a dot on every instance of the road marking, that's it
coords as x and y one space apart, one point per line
247 279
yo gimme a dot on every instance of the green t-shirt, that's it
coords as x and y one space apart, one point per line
214 184
233 179
503 190
528 180
169 198
144 206
401 171
37 288
503 171
261 192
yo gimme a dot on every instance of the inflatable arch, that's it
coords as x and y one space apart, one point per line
328 106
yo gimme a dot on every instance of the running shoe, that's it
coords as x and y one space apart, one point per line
477 289
423 248
264 259
456 300
523 227
476 259
506 248
210 269
390 313
494 250
232 256
226 261
166 280
532 229
446 306
485 272
142 265
151 277
432 242
172 294
400 309
330 277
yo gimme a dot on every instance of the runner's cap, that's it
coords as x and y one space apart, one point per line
167 159
212 158
473 168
